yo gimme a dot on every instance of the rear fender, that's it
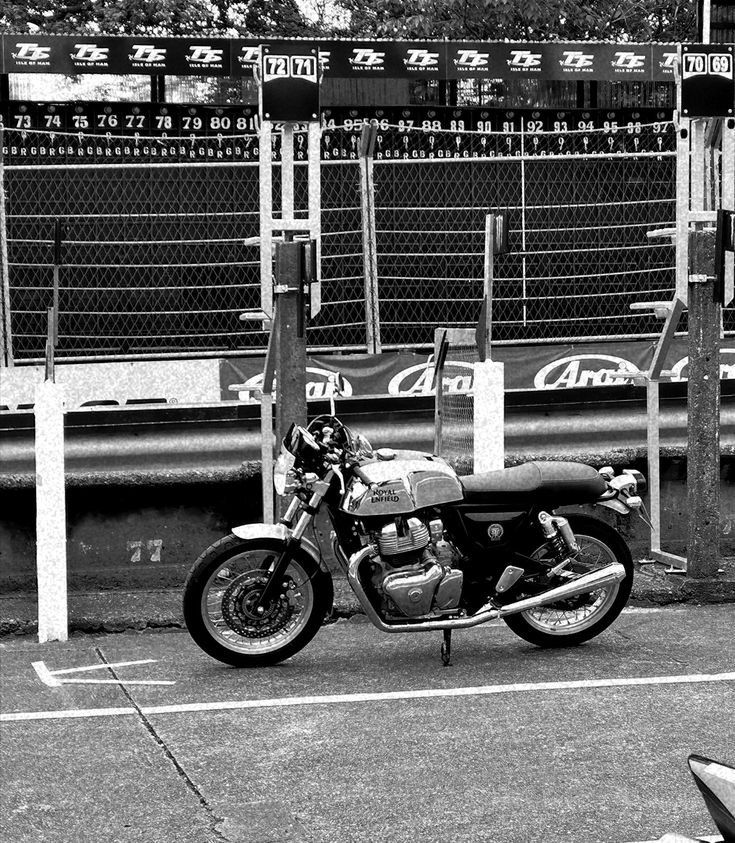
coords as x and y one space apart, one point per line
279 532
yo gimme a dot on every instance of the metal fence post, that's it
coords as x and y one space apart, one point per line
367 195
6 341
265 152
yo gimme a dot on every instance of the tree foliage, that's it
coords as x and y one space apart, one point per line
156 17
531 20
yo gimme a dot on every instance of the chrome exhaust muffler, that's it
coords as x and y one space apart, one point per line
609 575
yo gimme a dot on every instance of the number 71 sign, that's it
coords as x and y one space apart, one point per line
707 80
289 86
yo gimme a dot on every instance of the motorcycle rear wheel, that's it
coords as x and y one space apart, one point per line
575 621
221 593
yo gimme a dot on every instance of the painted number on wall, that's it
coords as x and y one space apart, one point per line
150 548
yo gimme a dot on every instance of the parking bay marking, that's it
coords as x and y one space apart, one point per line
49 677
378 696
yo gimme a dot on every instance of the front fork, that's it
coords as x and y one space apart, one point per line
305 513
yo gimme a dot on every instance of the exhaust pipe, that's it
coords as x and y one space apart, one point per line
609 575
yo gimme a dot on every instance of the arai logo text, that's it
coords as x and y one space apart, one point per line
317 386
680 369
584 370
417 380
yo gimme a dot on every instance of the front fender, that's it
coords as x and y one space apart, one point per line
279 532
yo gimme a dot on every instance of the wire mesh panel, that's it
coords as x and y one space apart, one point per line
154 253
159 207
341 321
159 250
580 204
455 400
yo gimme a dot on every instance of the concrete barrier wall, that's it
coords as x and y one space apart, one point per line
147 496
149 536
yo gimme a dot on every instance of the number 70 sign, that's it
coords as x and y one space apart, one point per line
289 83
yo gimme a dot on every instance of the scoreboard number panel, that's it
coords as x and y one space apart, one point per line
289 83
707 80
145 132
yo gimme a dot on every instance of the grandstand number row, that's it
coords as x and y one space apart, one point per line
57 131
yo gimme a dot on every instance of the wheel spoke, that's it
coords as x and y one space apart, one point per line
566 620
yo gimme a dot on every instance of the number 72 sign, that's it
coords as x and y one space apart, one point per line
707 80
289 75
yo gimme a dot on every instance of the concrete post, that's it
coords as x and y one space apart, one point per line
50 513
703 399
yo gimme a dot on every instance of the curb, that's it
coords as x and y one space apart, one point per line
141 610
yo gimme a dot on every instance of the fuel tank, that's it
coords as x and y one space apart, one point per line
401 484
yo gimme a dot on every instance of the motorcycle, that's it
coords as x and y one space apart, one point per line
422 548
716 783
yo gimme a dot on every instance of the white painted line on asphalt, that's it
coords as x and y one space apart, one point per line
48 677
45 675
377 696
101 666
700 838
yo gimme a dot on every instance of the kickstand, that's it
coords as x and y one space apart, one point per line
447 648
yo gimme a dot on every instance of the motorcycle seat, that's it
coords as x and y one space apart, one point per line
543 483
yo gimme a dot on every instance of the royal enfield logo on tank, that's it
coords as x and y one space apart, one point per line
584 370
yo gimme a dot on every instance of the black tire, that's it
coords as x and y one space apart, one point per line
599 545
231 573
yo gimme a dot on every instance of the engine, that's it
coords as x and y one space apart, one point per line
413 570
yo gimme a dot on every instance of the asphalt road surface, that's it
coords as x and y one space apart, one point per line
367 737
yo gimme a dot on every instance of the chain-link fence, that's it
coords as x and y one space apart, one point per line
160 255
159 252
578 251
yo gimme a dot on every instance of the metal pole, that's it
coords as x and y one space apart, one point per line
315 209
6 341
485 346
265 152
369 237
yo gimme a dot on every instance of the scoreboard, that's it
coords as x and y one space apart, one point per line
446 132
124 132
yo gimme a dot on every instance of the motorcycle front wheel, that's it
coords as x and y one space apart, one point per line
576 620
221 596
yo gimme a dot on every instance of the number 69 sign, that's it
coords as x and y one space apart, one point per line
289 83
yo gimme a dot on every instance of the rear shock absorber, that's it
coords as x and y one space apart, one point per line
558 535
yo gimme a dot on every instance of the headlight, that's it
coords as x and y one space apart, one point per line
283 466
363 447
